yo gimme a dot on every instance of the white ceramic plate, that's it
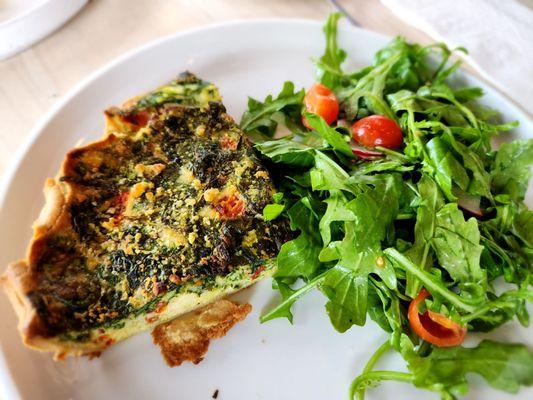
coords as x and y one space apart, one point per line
272 361
24 22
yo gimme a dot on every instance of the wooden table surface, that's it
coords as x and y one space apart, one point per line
32 81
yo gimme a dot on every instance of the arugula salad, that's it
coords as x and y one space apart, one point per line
403 213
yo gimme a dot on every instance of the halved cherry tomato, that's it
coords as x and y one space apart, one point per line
377 130
434 327
320 100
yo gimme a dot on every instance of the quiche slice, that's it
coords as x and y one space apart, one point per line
160 217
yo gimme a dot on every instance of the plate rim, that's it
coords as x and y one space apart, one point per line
55 12
8 385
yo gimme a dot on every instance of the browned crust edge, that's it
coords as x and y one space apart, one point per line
187 338
18 279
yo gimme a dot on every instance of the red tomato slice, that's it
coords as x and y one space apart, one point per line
320 100
377 130
434 327
138 118
230 207
120 204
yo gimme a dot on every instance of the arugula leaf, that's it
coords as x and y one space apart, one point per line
328 175
259 120
329 134
290 296
359 254
328 67
277 197
272 211
499 310
510 170
469 94
480 182
430 201
439 90
432 283
504 253
457 246
523 227
299 257
287 151
371 166
504 367
403 100
445 168
335 212
348 295
384 307
370 89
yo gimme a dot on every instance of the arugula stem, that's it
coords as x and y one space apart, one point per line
373 376
370 365
404 216
415 133
413 285
424 348
392 153
294 296
491 244
497 303
428 280
376 356
483 310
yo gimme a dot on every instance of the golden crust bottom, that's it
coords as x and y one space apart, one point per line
187 338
